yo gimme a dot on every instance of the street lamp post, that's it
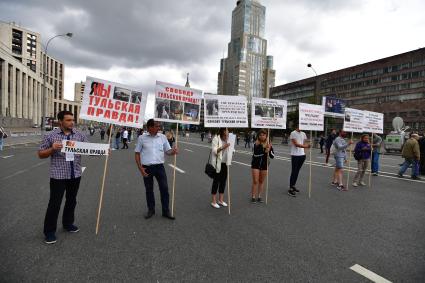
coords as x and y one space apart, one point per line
43 119
309 65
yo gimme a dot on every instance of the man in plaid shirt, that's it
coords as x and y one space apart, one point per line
65 175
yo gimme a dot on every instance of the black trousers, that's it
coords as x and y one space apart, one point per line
125 145
157 171
57 190
296 162
219 181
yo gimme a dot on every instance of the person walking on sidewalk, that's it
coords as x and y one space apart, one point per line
149 155
340 155
298 144
411 154
117 138
125 139
65 175
362 155
102 134
329 141
321 143
376 152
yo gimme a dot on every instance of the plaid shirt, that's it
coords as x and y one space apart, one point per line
59 167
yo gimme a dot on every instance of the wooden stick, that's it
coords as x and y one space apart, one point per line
103 182
349 161
174 172
371 149
311 152
267 162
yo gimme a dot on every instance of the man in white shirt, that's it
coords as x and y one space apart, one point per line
125 138
149 155
298 143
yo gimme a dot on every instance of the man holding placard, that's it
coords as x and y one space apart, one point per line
298 143
65 175
149 155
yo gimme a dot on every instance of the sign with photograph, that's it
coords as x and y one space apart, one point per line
268 113
108 102
177 104
221 111
353 120
311 117
334 107
84 148
373 122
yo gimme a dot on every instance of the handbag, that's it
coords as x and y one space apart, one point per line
209 169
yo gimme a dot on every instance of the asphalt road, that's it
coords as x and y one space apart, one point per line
298 239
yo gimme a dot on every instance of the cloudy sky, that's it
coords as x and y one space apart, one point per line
137 42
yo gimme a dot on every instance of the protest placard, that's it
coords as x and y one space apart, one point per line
268 113
353 120
373 122
113 103
177 104
221 111
311 117
84 148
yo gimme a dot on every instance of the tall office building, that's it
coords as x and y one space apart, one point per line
247 70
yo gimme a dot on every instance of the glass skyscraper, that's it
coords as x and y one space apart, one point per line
247 70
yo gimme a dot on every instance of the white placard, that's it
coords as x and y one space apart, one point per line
373 122
268 113
113 103
221 111
84 148
177 104
311 117
353 120
231 149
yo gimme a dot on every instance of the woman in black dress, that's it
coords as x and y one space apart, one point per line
259 165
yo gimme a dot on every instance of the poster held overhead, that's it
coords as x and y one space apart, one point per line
268 113
113 103
177 104
354 120
311 118
221 111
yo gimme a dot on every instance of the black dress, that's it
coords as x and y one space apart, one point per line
259 157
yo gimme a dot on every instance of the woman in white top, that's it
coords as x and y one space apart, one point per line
218 160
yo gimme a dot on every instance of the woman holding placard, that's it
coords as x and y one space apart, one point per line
362 155
259 165
218 160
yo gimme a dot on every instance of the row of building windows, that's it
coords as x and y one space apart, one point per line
388 98
367 83
375 72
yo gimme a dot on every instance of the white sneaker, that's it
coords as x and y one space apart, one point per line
363 183
329 164
222 203
355 184
215 205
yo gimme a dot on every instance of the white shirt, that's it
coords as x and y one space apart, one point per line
152 148
300 137
125 134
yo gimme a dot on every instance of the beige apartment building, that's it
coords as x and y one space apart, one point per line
21 78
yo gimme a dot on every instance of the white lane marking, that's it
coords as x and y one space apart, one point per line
241 163
7 156
391 175
369 274
82 169
188 150
23 171
177 168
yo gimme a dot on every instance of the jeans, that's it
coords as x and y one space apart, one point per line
157 171
362 165
375 162
296 162
407 162
1 144
57 190
117 143
219 182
